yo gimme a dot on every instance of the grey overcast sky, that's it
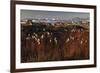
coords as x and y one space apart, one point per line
30 14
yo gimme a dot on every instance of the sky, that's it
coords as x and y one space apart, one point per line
30 14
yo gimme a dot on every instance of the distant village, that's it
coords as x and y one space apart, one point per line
57 22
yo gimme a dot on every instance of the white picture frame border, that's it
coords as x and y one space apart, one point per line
20 65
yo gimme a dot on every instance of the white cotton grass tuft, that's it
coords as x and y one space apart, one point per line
67 40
